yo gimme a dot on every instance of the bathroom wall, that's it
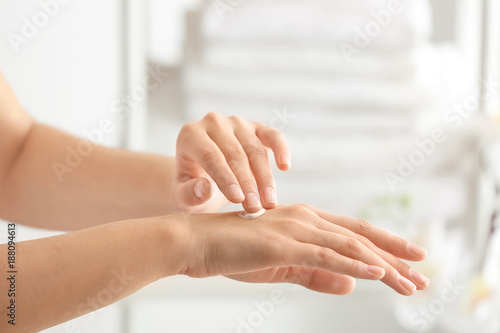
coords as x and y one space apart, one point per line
348 125
63 60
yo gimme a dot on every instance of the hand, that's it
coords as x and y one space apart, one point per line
220 159
300 244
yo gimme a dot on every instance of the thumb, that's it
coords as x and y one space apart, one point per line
194 192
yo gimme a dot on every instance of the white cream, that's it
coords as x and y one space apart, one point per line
252 216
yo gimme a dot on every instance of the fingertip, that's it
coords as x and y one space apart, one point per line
192 193
199 190
343 286
408 286
269 198
251 210
269 205
285 162
235 194
416 251
202 189
376 272
284 167
252 202
420 280
234 201
346 288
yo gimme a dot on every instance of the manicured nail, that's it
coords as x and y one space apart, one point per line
415 249
270 195
407 284
285 159
253 200
236 192
419 278
375 270
199 190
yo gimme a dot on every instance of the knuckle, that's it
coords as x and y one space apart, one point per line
353 245
299 210
210 155
247 185
212 116
235 154
363 240
323 254
223 178
306 206
237 120
356 265
256 150
400 266
270 130
276 135
188 128
362 226
397 241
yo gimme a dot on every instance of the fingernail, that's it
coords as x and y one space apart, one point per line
270 195
416 250
407 284
419 278
375 270
253 200
285 159
236 192
199 190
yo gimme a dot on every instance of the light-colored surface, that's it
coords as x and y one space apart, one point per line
68 74
220 305
136 78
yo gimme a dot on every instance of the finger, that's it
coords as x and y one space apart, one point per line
420 281
208 155
276 140
385 240
405 270
193 193
313 256
259 162
239 164
316 279
353 248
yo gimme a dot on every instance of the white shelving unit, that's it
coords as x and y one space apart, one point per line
350 125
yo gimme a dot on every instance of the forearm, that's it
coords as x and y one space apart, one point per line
15 125
103 186
66 276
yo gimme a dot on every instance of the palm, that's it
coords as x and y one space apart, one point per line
314 279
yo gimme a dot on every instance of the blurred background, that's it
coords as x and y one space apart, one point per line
391 109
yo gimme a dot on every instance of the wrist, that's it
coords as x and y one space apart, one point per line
174 243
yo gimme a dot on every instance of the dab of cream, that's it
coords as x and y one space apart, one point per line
252 216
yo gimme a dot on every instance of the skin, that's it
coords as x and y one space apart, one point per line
136 218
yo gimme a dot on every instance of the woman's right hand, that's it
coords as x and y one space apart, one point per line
303 245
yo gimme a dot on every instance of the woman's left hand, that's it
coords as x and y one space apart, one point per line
220 159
